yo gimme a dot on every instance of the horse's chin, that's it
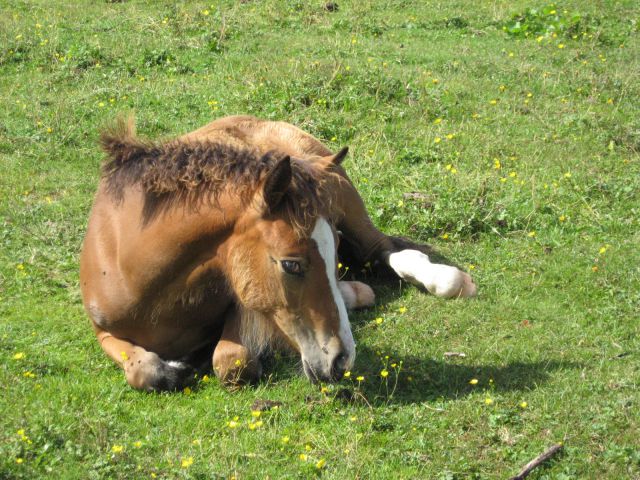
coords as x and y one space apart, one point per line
315 375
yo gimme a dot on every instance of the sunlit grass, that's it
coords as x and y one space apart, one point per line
512 150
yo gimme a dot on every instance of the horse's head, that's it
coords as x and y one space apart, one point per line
288 276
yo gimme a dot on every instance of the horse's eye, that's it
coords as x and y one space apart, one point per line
291 267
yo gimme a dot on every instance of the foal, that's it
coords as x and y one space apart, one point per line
226 240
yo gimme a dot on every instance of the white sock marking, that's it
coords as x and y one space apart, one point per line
323 236
441 280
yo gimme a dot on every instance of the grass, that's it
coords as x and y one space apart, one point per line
523 142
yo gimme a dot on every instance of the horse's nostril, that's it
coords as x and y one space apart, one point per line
339 366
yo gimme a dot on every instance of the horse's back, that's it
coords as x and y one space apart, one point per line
261 135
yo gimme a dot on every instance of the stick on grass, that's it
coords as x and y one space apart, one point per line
550 452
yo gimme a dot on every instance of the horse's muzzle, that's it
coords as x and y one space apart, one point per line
335 373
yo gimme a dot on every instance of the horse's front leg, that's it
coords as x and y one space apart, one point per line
407 259
233 362
143 369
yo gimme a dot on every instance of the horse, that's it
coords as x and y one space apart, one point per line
216 246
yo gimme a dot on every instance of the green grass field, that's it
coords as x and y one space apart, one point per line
522 137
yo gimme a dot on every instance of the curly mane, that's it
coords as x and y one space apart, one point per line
189 172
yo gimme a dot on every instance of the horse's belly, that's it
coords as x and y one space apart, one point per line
172 333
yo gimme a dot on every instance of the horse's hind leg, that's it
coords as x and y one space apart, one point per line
144 370
233 362
408 260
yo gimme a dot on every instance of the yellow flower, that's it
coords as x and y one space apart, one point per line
488 401
502 88
524 404
256 413
496 164
379 320
594 268
360 378
450 136
347 374
454 170
531 233
562 218
101 104
285 439
186 462
493 102
19 460
567 175
473 381
561 46
137 444
444 236
321 463
205 379
437 121
308 447
29 374
117 449
252 426
18 356
205 12
187 391
124 355
238 363
303 457
437 140
601 251
232 424
513 174
402 309
384 373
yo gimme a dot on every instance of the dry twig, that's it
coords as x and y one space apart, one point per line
454 354
550 452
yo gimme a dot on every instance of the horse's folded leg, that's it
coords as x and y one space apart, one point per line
357 295
233 363
441 280
144 370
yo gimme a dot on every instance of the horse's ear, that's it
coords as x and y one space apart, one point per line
339 157
276 184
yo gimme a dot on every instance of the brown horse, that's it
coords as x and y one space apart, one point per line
225 240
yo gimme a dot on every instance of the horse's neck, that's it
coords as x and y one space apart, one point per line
180 240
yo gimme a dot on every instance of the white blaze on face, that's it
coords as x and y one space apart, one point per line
323 236
440 280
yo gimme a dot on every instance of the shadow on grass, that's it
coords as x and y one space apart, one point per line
426 379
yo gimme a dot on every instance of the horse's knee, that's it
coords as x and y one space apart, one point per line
357 294
233 364
147 371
